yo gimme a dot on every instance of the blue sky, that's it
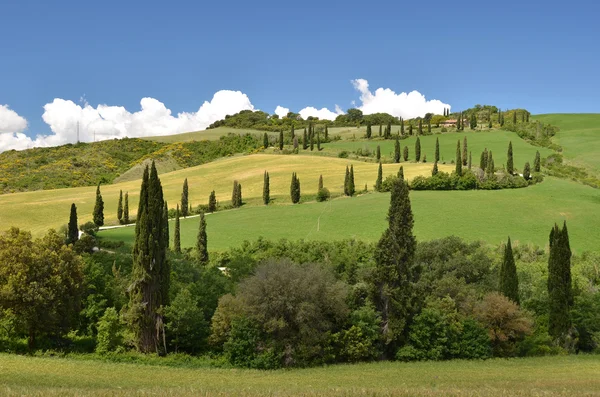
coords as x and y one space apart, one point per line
543 57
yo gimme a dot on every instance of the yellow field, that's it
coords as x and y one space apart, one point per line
40 210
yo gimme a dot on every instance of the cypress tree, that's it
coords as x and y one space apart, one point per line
401 173
266 189
389 130
410 128
560 292
522 117
120 207
435 169
184 199
420 127
379 180
465 159
405 153
473 123
295 140
202 242
514 120
239 195
166 223
501 116
319 142
212 202
72 231
491 169
351 187
292 134
509 162
305 140
295 189
280 140
470 163
490 122
536 162
177 234
265 140
150 270
483 160
378 155
527 171
397 151
401 126
369 131
418 150
346 182
99 208
437 150
235 198
326 133
379 129
458 159
312 142
509 282
429 126
126 209
395 272
527 117
320 182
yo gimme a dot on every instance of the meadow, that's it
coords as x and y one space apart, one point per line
526 215
543 376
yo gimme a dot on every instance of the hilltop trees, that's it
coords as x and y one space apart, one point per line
395 272
98 214
177 233
72 231
510 168
126 209
509 283
236 195
120 207
184 199
536 162
150 270
295 189
418 150
266 189
458 159
379 180
397 151
202 242
559 284
473 121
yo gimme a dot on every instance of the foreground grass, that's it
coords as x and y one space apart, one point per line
526 215
546 376
40 210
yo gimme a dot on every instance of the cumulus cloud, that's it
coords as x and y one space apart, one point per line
107 122
404 105
281 111
12 126
322 114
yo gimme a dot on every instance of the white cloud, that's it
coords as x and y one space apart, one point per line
108 122
12 126
404 105
323 114
281 111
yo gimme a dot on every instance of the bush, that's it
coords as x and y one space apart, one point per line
85 244
186 326
323 194
386 185
110 332
343 154
89 228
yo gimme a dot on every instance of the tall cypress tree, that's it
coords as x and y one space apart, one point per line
369 131
212 202
434 171
395 272
458 159
177 233
465 152
490 122
437 150
346 181
236 195
326 133
312 142
319 142
150 270
514 119
491 169
510 168
305 140
397 151
320 182
429 126
166 223
509 282
185 199
295 189
401 173
418 150
265 140
351 186
120 207
280 140
99 208
378 155
527 171
470 163
380 126
126 209
473 121
405 153
410 128
266 189
72 231
202 242
420 132
536 162
483 160
401 126
560 292
379 180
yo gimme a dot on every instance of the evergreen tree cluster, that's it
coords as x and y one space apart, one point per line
349 187
560 290
295 189
236 195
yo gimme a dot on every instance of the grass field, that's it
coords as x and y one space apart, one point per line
579 136
40 210
545 376
496 141
525 214
211 135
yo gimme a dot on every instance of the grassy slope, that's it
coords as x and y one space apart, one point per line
524 214
41 210
547 376
496 141
579 136
211 135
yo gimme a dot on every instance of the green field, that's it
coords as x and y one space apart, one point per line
211 135
495 140
545 376
579 136
525 214
40 210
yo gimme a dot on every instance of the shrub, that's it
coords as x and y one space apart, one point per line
89 228
186 326
110 332
85 244
343 154
386 185
323 194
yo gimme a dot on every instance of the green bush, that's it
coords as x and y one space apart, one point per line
388 182
110 332
89 228
323 194
343 154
